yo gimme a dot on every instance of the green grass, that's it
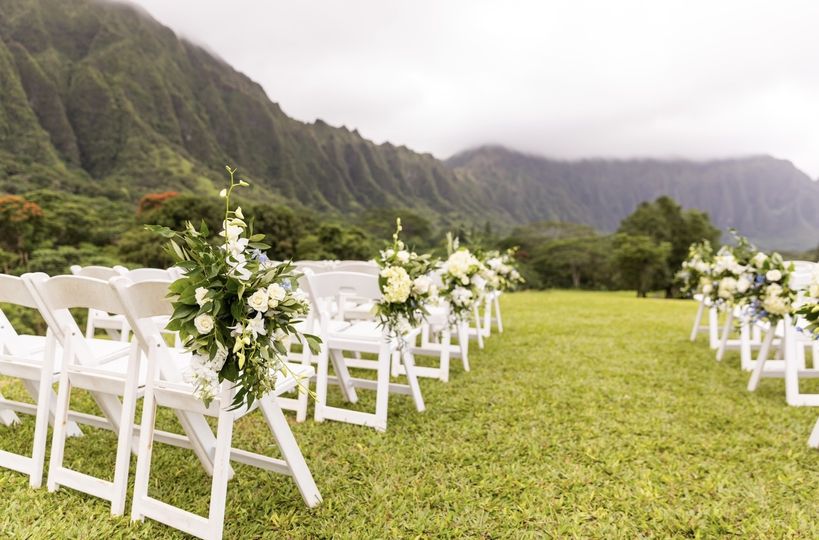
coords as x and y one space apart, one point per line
591 416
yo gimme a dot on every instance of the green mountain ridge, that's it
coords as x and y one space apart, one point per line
100 99
768 199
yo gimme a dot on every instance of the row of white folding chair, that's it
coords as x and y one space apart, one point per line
362 337
107 375
784 348
115 325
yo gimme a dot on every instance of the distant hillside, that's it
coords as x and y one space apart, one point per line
97 98
767 199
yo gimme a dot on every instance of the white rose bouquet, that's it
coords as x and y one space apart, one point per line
729 273
697 266
462 280
233 312
503 267
768 294
810 309
406 287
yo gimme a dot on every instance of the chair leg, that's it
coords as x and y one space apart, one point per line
446 342
60 419
290 451
726 332
762 356
498 314
382 392
713 327
126 434
395 363
221 465
41 424
463 342
813 441
697 321
487 316
412 378
745 360
146 445
322 374
793 363
478 331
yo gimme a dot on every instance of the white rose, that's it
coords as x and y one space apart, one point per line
200 295
203 323
402 256
707 288
773 275
759 259
727 286
421 285
743 284
479 282
275 294
258 300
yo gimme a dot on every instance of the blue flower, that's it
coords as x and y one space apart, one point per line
260 256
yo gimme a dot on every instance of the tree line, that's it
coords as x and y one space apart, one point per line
48 231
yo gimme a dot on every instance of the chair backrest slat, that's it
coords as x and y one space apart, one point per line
97 272
143 302
331 284
362 267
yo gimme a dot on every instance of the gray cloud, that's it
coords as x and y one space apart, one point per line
694 79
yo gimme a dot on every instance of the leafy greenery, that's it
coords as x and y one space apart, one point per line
576 422
233 311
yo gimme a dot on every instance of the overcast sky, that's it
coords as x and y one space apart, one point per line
564 79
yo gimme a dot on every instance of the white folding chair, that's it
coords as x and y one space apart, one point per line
143 303
32 360
113 324
793 347
492 303
712 325
748 340
106 369
358 337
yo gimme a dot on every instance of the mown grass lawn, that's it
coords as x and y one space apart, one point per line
591 416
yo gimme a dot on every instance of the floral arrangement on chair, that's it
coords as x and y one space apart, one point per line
232 311
504 268
463 284
809 310
406 287
696 267
724 281
765 289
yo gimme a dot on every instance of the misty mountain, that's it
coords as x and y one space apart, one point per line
97 98
767 199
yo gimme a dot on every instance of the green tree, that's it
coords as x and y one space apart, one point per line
641 262
574 262
665 221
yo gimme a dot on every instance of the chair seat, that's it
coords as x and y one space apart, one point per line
27 344
368 331
365 310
